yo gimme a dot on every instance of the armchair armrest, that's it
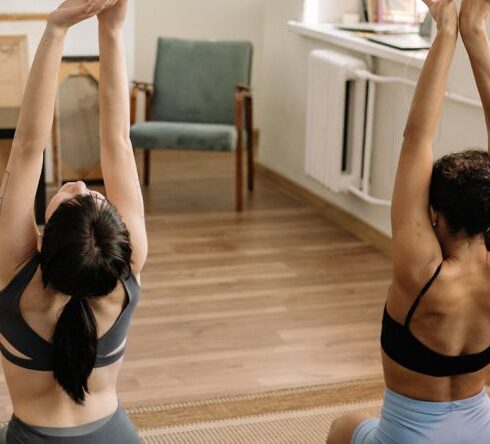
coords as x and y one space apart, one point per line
141 85
244 90
138 87
244 86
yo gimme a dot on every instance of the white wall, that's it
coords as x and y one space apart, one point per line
284 110
197 19
28 5
332 10
317 11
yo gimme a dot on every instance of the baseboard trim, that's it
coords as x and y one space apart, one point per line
336 214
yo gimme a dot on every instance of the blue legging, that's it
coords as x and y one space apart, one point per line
408 421
115 428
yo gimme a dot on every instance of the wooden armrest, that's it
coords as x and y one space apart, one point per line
244 90
141 85
243 86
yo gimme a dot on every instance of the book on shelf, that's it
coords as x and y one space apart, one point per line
371 8
364 11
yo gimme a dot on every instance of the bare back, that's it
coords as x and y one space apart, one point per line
452 319
41 308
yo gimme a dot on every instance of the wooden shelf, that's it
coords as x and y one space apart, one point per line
356 42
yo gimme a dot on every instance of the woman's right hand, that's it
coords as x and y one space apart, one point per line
445 14
473 15
71 12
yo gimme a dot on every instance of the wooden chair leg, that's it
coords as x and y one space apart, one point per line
251 168
239 176
146 168
239 149
250 145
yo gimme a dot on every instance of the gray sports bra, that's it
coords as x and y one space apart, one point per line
23 338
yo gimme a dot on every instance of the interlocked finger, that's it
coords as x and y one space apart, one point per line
110 3
96 6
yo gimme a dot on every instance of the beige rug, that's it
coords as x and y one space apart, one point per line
296 416
290 416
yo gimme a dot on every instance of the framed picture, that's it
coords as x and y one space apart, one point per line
76 143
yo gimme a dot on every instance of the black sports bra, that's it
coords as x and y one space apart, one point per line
15 329
404 348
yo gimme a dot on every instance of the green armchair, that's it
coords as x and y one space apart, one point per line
200 100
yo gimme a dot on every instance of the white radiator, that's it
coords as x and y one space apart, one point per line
340 122
336 120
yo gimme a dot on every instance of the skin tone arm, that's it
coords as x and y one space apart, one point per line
473 18
416 250
18 231
117 156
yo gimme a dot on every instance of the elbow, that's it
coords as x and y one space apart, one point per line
28 146
411 131
120 144
410 137
416 134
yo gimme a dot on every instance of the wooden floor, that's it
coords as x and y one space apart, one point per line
274 297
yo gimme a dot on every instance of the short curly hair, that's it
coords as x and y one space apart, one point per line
460 191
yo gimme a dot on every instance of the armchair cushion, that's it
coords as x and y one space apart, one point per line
178 135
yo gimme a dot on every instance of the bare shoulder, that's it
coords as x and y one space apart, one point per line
412 280
405 289
461 286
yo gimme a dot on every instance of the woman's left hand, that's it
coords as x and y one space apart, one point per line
114 16
445 14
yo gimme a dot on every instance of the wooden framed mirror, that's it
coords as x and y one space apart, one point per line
76 142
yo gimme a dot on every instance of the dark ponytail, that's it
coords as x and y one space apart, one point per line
86 250
487 239
75 348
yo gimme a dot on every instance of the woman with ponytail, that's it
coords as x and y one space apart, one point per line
435 334
67 296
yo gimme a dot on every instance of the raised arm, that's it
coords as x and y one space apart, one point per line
473 20
117 156
18 231
416 250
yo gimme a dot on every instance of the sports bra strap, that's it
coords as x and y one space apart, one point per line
410 314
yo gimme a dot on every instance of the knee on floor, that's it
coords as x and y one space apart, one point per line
343 428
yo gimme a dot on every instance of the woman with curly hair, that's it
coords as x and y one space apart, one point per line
436 331
68 295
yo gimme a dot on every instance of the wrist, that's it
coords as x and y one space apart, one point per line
110 30
449 31
56 30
